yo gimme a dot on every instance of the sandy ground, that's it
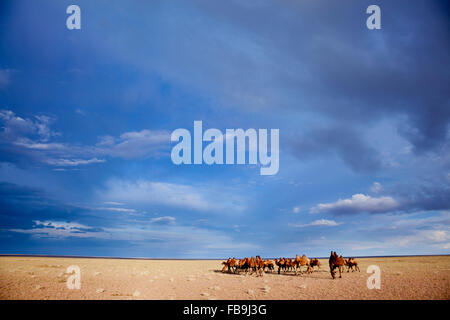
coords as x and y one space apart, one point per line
45 278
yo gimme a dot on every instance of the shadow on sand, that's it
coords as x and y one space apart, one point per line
288 273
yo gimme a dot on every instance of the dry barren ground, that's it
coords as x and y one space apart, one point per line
45 278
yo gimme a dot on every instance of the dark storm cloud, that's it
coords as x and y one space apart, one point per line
313 58
430 195
306 58
19 204
13 192
345 142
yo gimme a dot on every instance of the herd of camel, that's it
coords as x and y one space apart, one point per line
259 266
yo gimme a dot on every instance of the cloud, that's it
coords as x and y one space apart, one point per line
73 162
125 210
60 225
345 142
113 203
5 77
14 192
426 194
376 187
163 220
301 76
187 241
193 197
356 204
135 144
15 127
438 238
318 223
58 229
31 138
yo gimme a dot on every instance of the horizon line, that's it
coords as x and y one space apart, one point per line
147 258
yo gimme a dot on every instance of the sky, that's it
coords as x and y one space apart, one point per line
86 117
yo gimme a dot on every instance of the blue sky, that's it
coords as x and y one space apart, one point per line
86 117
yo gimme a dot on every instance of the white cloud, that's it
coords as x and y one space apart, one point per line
296 209
32 137
58 229
15 127
73 162
163 220
421 237
194 197
113 203
29 144
320 222
376 187
125 210
358 203
60 224
135 144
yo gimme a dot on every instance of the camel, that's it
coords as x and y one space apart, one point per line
231 264
259 265
315 262
252 264
269 265
301 261
281 264
350 263
334 262
226 265
243 265
278 264
290 265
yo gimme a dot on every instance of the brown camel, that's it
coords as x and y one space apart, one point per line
352 263
301 261
243 265
281 264
315 262
230 264
269 265
334 262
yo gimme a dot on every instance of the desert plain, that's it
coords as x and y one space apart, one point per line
25 277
